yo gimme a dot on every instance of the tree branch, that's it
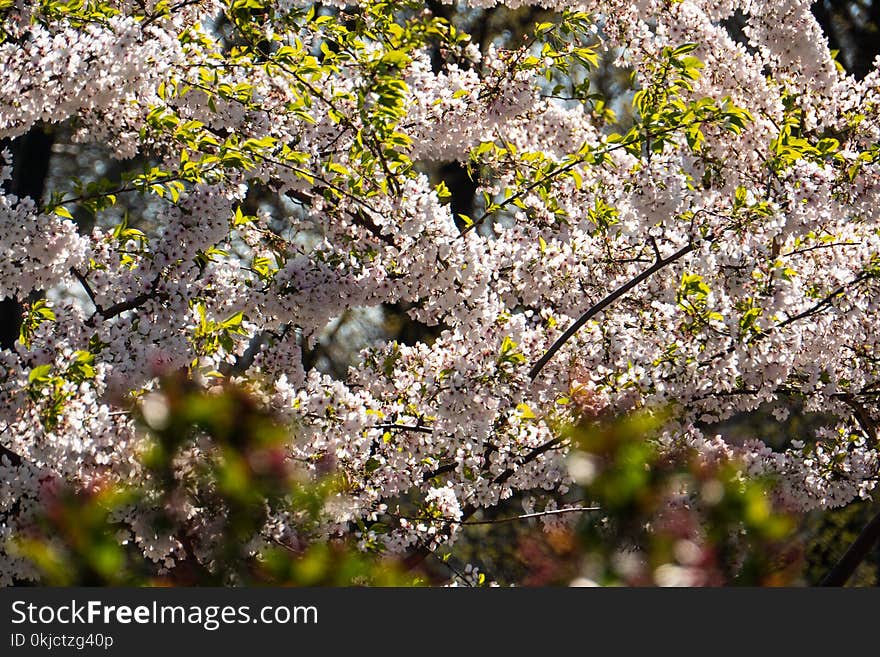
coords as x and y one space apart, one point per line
855 555
245 360
825 301
405 427
14 459
88 289
128 304
604 303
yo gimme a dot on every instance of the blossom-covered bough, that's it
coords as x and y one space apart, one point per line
715 252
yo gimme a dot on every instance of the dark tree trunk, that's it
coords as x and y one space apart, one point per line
30 156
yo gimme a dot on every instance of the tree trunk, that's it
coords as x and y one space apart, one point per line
30 156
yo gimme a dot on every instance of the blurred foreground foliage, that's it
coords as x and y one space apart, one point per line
247 481
648 516
661 518
678 517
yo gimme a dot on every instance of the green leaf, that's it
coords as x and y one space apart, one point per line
684 49
61 211
443 192
396 58
39 373
525 412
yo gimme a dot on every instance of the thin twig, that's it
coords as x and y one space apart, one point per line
498 521
526 516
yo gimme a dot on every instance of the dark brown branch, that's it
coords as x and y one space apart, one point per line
364 221
244 361
862 417
855 555
14 459
809 312
88 288
604 303
531 456
405 427
128 304
358 217
827 300
443 469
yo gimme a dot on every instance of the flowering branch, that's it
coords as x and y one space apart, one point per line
604 303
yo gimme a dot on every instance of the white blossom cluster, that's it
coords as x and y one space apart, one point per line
38 249
768 288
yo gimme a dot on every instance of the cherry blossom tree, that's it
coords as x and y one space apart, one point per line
700 247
